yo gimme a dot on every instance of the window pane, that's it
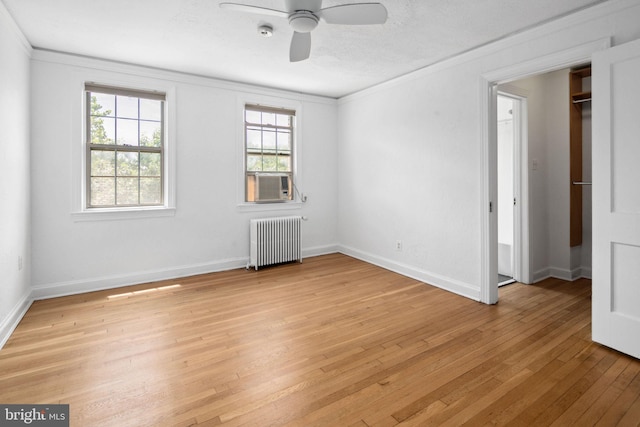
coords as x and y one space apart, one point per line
268 119
254 139
103 163
127 107
103 130
269 140
127 132
150 109
127 192
284 141
269 163
150 134
283 120
252 116
150 191
150 164
103 104
254 162
284 164
128 164
103 191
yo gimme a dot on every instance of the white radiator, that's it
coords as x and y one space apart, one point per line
274 240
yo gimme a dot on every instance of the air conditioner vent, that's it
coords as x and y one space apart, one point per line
271 188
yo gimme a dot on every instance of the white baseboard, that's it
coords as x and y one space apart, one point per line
437 280
561 273
320 250
53 290
9 323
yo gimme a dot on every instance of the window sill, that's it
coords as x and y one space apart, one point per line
110 214
268 207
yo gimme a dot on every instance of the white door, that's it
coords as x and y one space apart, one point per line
616 198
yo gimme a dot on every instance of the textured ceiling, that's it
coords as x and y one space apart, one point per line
198 37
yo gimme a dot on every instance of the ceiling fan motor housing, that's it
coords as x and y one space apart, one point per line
303 21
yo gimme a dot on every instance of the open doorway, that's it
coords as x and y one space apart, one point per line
508 138
547 174
537 163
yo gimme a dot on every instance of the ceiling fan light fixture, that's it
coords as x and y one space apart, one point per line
303 21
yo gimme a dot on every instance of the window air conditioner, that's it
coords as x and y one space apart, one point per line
271 188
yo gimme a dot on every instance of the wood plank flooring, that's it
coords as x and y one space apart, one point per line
330 342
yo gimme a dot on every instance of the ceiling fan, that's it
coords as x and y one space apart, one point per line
304 15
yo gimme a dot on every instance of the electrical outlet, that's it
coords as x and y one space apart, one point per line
398 245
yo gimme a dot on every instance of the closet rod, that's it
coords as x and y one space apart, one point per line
580 183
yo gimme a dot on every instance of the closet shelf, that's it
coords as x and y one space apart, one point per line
580 97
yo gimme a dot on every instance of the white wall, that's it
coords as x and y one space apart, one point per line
209 231
15 206
409 171
556 88
550 204
411 156
548 144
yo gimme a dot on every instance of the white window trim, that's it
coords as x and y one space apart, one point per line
242 205
79 210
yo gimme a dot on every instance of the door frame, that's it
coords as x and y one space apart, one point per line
520 250
488 169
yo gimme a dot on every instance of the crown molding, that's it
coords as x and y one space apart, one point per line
7 21
101 64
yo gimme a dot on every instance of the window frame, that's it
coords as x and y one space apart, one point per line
247 151
116 148
79 210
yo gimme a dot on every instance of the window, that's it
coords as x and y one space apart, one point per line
125 147
268 153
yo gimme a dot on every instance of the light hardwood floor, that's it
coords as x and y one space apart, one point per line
330 342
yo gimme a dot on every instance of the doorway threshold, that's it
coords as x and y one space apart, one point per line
505 280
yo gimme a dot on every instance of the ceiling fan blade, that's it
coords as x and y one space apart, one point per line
355 14
300 47
254 9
